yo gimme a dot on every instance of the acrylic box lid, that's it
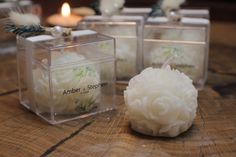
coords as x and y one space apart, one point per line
79 37
115 25
116 18
203 13
184 21
187 29
80 47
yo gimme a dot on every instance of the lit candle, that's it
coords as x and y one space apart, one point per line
65 19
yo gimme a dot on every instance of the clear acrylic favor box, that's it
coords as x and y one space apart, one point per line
128 32
184 44
62 79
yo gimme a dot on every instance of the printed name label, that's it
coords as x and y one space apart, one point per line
83 90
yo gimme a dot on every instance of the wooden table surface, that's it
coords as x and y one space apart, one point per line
213 134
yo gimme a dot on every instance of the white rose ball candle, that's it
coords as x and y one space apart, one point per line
161 102
74 90
126 58
126 50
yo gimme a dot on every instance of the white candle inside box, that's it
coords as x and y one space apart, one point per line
70 85
126 47
187 40
127 30
70 93
187 57
126 51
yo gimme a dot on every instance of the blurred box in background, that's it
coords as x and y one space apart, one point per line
8 72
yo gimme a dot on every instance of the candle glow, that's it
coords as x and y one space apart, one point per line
65 18
65 10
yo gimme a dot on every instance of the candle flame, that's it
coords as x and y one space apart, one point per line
65 10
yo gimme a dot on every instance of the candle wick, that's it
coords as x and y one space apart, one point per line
168 61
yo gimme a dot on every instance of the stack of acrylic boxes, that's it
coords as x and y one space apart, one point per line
184 43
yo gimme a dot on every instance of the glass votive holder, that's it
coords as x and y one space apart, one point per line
62 79
128 32
184 44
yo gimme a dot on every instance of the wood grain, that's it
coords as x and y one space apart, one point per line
213 134
222 63
24 134
8 73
